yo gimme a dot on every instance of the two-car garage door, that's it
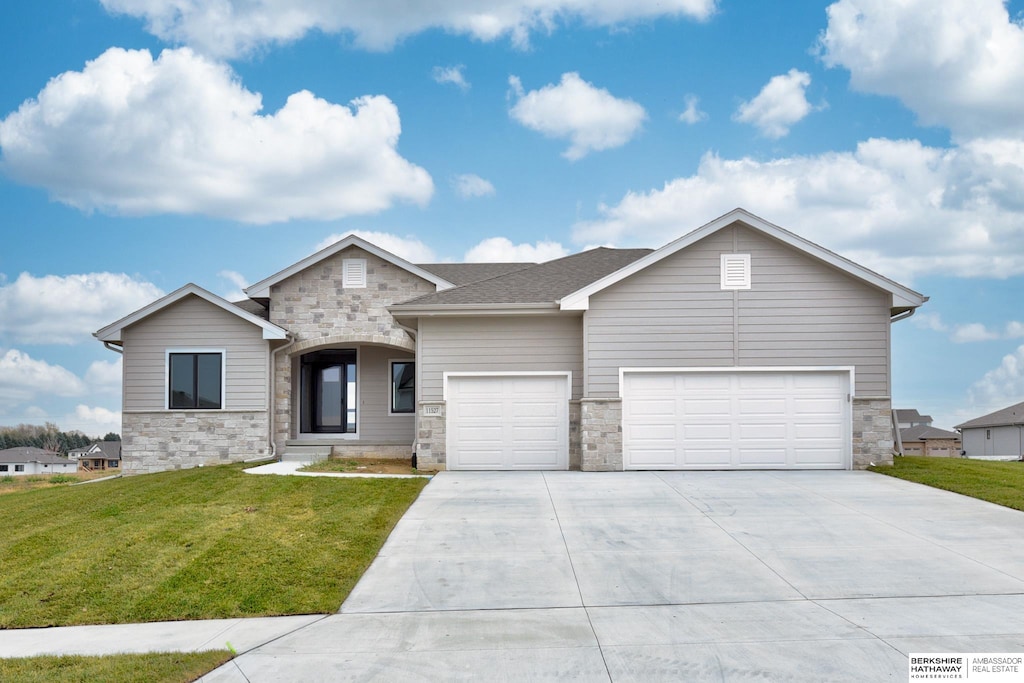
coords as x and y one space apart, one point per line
735 420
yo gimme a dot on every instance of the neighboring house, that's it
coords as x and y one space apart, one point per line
930 441
25 460
739 345
996 436
907 418
102 455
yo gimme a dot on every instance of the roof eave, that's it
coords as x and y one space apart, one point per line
476 309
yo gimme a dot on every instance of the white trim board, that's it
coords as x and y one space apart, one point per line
510 373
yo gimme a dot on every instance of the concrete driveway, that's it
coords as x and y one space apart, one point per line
668 576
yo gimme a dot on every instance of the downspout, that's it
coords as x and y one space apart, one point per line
270 394
416 415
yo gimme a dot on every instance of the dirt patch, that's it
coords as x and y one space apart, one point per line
362 466
27 482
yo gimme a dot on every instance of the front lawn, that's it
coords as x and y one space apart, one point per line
194 544
997 482
159 667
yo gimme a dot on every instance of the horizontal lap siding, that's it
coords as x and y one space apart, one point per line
193 322
798 312
374 383
499 344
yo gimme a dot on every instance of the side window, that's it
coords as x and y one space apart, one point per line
194 381
19 468
403 387
3 468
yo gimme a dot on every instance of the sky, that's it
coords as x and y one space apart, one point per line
145 144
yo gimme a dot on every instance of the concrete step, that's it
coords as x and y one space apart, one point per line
305 453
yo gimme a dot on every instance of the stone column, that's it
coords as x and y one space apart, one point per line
600 434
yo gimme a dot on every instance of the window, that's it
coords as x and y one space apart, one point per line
403 386
112 463
735 271
353 273
194 380
988 433
19 468
3 468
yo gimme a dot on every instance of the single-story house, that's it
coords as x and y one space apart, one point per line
996 436
737 346
99 456
930 441
25 460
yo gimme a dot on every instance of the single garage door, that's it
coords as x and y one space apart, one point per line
508 422
736 420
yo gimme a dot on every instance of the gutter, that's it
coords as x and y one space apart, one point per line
902 316
270 394
110 345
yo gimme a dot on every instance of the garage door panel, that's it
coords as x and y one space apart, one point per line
709 382
818 456
752 407
763 431
533 409
707 432
763 456
705 407
774 383
818 380
719 457
653 408
473 408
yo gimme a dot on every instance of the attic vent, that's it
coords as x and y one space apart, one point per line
353 273
735 271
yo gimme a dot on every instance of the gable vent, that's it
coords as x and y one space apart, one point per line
735 271
353 273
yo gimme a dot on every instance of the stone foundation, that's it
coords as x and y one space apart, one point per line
600 434
575 459
872 432
431 436
180 439
370 450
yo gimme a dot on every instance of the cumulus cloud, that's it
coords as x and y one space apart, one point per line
1001 386
180 134
238 280
470 185
230 28
781 103
896 206
22 378
591 118
104 376
692 114
452 75
94 419
410 248
56 309
956 63
502 250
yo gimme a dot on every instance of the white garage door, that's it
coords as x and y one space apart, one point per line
736 420
508 422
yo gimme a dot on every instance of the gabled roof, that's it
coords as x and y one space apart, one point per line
924 432
542 284
902 297
261 290
1012 415
112 332
28 454
910 415
465 273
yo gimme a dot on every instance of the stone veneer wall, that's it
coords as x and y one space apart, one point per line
574 435
431 437
314 307
180 439
872 432
600 434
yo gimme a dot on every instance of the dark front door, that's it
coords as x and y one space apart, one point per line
329 392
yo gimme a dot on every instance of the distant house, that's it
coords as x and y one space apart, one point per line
25 460
916 436
909 417
996 436
102 455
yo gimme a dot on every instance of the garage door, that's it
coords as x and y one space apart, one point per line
508 422
736 420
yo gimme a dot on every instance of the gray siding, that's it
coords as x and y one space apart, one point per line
798 312
498 344
193 322
375 424
1004 441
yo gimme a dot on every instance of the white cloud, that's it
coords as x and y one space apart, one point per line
235 27
410 248
1001 386
22 378
781 103
470 185
181 135
453 75
57 309
896 206
502 250
239 282
104 376
955 63
970 332
692 114
590 118
93 420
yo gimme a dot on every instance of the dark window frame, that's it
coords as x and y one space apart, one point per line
175 403
393 390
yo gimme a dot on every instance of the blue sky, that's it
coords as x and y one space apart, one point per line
149 143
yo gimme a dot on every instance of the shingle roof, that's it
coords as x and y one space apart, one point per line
1012 415
31 454
543 283
254 307
910 415
923 432
465 273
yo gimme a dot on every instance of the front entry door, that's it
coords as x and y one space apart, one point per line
329 392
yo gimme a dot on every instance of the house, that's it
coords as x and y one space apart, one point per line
931 441
907 418
996 436
739 345
99 456
25 460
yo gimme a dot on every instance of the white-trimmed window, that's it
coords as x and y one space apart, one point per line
402 379
353 273
195 379
735 271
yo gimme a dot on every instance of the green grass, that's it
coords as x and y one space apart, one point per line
194 544
162 667
997 482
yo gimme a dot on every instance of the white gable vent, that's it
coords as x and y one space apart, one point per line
735 271
353 273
